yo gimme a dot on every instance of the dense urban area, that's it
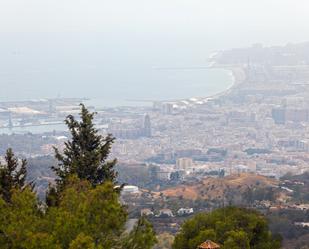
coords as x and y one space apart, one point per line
247 146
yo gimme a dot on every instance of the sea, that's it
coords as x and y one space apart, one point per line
109 70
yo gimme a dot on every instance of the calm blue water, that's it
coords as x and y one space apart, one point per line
107 69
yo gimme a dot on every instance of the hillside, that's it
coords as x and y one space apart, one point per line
217 188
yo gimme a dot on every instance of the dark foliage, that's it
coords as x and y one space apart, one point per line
232 227
12 175
85 155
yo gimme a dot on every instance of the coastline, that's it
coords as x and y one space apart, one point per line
223 83
236 73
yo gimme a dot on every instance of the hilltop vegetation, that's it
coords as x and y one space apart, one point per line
232 189
233 228
300 186
82 211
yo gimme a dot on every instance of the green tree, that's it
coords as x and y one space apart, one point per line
231 227
237 240
82 242
86 154
142 236
19 220
12 175
93 212
41 240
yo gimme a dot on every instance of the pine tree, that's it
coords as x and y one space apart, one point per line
12 175
86 154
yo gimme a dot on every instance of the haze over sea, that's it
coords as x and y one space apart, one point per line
109 71
107 50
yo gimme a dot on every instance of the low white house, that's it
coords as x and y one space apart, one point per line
185 211
165 212
130 189
302 224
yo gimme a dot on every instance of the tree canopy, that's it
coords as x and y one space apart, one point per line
86 211
12 175
86 217
233 228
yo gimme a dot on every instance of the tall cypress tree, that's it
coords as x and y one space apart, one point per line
86 154
12 175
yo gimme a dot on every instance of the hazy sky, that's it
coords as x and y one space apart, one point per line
288 19
94 47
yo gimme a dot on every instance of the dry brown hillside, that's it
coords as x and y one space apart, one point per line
215 188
